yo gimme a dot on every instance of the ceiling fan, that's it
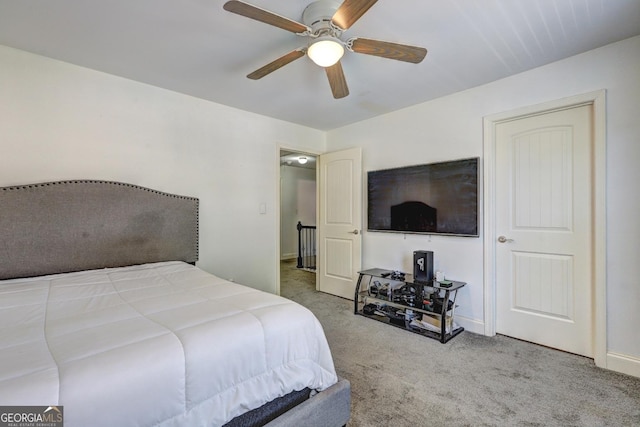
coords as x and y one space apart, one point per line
324 21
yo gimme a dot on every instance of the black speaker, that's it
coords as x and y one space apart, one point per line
423 266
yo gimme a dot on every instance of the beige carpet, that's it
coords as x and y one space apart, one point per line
402 379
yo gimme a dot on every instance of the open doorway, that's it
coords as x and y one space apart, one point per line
298 202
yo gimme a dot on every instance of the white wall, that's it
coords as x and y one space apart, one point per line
298 203
59 121
451 128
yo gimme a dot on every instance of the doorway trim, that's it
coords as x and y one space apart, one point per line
278 212
597 100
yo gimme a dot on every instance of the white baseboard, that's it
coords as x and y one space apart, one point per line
471 325
623 363
285 257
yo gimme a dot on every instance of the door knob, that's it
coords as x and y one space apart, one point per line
503 239
354 232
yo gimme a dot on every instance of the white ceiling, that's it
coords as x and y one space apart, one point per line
197 48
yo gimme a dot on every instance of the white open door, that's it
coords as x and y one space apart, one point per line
340 221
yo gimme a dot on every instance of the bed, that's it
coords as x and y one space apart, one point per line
104 312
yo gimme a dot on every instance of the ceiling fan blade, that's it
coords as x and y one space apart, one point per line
350 11
337 81
253 12
278 63
400 52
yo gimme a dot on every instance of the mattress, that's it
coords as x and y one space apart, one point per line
163 344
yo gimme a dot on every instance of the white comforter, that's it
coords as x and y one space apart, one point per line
159 344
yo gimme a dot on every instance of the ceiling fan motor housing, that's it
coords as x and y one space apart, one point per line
317 16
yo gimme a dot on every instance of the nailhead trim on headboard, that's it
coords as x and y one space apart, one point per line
94 181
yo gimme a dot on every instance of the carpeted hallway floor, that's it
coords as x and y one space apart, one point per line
403 379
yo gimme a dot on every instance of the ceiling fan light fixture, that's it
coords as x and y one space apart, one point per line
325 51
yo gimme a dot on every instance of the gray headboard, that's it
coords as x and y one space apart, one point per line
65 226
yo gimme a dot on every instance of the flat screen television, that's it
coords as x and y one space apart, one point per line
435 198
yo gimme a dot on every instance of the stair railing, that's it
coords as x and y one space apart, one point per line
306 246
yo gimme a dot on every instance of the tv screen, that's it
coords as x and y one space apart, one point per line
436 198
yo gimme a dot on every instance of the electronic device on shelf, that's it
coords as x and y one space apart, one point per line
423 266
397 275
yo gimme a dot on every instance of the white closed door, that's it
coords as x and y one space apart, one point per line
340 221
544 238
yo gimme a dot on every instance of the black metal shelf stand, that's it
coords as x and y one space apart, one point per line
425 308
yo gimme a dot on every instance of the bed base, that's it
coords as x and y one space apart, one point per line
329 408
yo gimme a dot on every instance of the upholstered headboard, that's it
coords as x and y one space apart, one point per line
65 226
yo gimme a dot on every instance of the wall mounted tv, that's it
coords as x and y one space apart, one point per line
435 198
